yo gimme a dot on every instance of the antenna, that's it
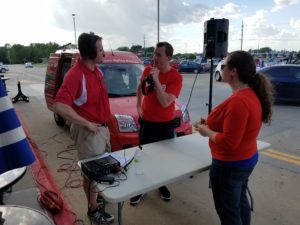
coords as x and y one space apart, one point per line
112 53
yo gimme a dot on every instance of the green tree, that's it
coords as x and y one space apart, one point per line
136 48
35 52
265 50
148 52
123 48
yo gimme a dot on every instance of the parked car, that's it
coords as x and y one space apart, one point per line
286 80
174 63
190 66
217 73
203 62
28 65
148 62
3 68
122 71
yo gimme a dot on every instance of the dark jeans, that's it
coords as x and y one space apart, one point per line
229 186
155 131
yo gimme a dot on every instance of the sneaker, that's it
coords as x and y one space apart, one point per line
136 200
165 193
99 215
100 200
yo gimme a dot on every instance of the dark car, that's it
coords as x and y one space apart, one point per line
189 66
286 79
148 62
174 63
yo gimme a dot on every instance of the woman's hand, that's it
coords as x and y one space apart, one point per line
201 128
204 130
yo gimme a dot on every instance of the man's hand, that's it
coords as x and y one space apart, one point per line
154 72
93 127
139 110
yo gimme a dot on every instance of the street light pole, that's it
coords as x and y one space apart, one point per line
157 21
73 15
8 52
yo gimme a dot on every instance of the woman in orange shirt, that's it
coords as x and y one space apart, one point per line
232 128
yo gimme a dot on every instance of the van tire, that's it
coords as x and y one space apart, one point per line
59 120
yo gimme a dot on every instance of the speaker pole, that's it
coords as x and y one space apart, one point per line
215 45
210 87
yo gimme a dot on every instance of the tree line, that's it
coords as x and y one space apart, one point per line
39 52
18 54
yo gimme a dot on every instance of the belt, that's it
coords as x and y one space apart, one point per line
103 125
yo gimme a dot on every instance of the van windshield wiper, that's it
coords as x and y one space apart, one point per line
114 95
121 95
130 94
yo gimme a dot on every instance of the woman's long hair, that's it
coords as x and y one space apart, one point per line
261 85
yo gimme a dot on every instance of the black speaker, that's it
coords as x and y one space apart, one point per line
215 38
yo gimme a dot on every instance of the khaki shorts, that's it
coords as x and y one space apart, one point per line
89 144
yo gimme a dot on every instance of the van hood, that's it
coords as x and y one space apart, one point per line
127 106
123 105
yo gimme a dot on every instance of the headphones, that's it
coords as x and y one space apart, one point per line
91 46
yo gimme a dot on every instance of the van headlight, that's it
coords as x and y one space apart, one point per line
126 123
185 114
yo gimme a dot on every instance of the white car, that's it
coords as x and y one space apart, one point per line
3 68
217 73
28 65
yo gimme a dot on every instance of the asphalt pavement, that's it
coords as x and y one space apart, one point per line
274 183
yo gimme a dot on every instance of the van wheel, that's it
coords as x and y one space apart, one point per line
59 120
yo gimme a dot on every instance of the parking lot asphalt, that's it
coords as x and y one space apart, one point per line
274 183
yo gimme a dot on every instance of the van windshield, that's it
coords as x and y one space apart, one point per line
121 79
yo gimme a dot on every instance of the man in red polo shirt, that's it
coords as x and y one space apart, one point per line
82 99
156 103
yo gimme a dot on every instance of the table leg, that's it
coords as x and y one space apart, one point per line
120 207
1 198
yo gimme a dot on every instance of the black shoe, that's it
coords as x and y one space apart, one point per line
165 193
136 200
99 215
100 200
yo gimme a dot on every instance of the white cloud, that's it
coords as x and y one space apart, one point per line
294 23
127 22
279 4
229 10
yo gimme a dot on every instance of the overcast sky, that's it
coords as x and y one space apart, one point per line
272 23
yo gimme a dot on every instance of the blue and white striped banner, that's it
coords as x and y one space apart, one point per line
15 151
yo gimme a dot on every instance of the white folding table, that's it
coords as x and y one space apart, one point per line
164 162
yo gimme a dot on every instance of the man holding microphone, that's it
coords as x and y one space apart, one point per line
159 87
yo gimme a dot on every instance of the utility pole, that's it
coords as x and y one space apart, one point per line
73 15
157 21
242 33
145 45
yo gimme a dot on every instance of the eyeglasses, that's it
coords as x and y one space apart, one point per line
223 66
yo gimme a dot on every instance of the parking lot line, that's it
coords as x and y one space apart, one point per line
282 156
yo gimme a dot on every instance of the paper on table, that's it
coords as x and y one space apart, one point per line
121 158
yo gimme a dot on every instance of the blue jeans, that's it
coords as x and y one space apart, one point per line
229 186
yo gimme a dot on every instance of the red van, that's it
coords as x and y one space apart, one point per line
122 71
